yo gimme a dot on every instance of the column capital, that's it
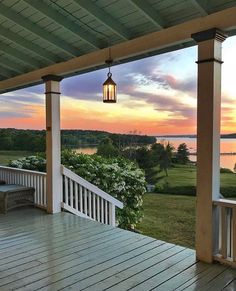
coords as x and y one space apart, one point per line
213 33
52 84
52 77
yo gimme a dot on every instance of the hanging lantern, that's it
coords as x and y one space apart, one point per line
109 87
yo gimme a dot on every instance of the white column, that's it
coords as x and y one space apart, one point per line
208 139
53 143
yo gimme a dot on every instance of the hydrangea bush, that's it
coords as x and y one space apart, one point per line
34 163
118 177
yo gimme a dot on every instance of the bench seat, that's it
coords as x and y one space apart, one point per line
12 196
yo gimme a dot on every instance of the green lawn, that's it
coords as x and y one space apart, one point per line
6 156
170 218
182 180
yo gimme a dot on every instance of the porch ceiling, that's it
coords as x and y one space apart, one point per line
71 37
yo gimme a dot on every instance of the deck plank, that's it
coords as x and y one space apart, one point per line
182 277
231 286
72 271
138 274
62 257
201 279
63 251
220 281
104 269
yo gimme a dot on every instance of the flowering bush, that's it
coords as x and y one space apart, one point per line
118 177
34 163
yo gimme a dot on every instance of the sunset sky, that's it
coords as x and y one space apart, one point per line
156 95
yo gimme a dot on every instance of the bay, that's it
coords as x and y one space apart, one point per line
228 149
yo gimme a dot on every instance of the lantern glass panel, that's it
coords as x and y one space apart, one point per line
109 90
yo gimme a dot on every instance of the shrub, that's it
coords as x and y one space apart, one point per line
226 171
176 190
118 177
34 163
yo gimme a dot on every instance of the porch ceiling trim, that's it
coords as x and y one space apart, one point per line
164 40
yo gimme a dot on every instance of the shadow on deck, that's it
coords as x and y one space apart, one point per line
63 251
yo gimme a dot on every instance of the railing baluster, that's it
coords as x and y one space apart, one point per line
66 190
94 206
112 217
85 202
102 210
90 204
223 233
106 212
76 196
98 208
71 193
81 198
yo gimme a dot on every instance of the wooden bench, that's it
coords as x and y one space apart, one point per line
12 196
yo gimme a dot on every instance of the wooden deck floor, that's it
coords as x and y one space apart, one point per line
65 252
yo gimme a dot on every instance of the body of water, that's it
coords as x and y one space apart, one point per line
227 146
89 150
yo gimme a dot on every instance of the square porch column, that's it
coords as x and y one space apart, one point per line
53 143
208 139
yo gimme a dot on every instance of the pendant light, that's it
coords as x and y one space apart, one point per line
109 86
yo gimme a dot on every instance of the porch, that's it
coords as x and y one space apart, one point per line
64 251
62 46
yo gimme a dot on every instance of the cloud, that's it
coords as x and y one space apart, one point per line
22 97
5 114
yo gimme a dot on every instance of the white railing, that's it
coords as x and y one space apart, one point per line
85 199
29 179
226 242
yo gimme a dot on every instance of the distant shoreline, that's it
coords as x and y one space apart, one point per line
222 154
226 136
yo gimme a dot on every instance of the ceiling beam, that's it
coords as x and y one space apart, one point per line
23 57
5 73
37 30
200 6
162 40
12 66
104 18
149 12
21 41
66 23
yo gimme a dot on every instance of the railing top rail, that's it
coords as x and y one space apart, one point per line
22 170
225 203
91 187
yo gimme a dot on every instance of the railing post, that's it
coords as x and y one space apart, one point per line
53 143
208 139
112 214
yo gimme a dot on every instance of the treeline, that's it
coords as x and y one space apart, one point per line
35 140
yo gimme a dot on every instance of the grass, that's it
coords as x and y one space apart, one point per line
170 218
6 156
182 180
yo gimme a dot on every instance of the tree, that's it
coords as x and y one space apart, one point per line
182 155
166 157
143 158
107 149
156 152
